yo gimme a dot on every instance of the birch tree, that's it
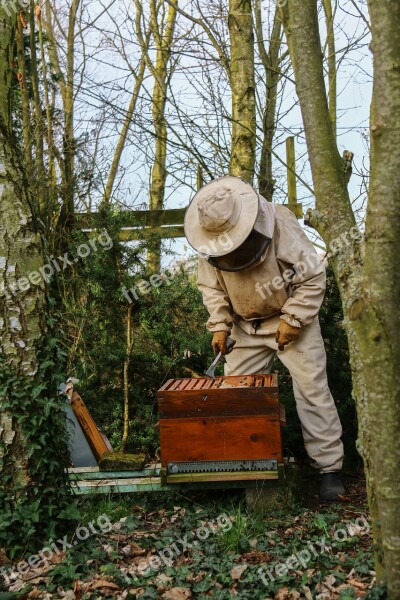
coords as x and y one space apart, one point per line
366 273
32 423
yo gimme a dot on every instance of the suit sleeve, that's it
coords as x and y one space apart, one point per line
215 298
297 254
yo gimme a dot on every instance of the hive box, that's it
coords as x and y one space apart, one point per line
220 419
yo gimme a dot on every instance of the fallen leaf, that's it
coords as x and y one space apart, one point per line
133 550
77 590
163 580
108 548
286 594
357 584
68 595
327 583
233 591
177 593
238 571
98 584
192 578
35 593
256 556
307 592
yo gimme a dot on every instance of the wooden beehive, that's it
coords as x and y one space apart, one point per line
220 419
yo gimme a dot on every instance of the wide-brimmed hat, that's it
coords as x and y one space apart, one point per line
221 216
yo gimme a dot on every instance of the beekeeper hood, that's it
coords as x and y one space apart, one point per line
229 224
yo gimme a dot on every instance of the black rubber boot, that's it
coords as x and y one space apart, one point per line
331 487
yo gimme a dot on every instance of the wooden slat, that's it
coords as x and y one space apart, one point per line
168 223
175 385
218 402
191 384
220 438
120 481
106 486
89 427
199 384
137 234
136 218
80 470
208 384
270 380
166 385
222 476
128 488
112 475
157 220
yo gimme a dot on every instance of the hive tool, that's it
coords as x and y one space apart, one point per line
211 369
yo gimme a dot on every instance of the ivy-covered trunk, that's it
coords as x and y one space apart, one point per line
33 448
241 75
366 272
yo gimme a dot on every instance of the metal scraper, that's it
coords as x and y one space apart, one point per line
211 369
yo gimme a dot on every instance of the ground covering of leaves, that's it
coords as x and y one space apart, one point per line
209 545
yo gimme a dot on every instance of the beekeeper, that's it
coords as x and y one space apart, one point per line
263 284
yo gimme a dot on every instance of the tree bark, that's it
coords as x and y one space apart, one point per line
368 281
242 83
332 72
270 60
127 362
382 284
163 37
41 188
66 82
26 115
25 381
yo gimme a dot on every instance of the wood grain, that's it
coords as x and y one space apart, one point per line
89 427
218 402
220 438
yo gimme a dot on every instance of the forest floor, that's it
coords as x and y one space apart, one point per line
179 546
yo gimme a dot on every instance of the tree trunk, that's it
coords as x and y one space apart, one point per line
270 60
366 275
127 362
240 23
67 83
51 168
382 285
32 425
26 115
163 37
332 71
41 187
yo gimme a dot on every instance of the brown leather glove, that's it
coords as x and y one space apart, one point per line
219 342
286 333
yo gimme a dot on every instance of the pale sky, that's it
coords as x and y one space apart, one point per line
108 69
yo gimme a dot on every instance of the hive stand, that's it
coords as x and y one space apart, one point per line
215 433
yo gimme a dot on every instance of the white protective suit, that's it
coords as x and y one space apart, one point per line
287 283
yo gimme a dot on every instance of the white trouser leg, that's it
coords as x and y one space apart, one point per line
306 362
